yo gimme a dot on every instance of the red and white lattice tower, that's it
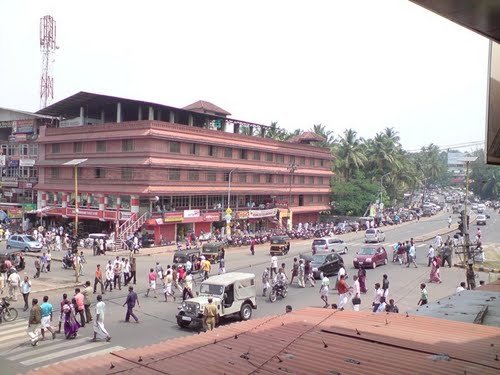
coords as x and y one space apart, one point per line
47 47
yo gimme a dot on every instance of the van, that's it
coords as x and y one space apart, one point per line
374 235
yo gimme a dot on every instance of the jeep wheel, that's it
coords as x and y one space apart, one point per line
246 311
183 324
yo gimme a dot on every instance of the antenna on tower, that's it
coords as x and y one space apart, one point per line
47 47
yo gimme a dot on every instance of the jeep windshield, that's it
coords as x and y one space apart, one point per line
216 290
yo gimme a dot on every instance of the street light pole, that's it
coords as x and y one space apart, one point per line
292 167
470 276
229 187
381 187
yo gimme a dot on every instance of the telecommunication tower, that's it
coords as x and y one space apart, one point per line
47 47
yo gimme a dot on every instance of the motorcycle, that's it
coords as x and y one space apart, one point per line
278 290
7 313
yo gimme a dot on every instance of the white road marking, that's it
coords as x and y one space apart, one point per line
43 347
62 353
103 351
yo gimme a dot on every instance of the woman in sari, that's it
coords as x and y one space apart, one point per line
71 325
362 279
434 276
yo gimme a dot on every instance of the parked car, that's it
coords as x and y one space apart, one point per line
24 242
374 235
329 244
370 257
326 263
233 293
481 219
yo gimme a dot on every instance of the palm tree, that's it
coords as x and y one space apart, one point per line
329 138
276 132
349 154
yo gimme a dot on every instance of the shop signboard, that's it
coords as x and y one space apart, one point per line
8 194
191 213
211 216
109 215
173 219
83 212
125 215
9 182
242 214
13 163
23 126
257 214
26 162
28 207
15 213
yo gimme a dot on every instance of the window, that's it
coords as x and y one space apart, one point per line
228 152
256 178
311 180
193 175
128 145
280 158
174 147
269 157
301 180
320 180
54 172
126 173
311 162
321 162
302 160
243 154
174 174
280 179
77 147
291 159
100 146
56 148
99 173
193 149
310 198
242 177
212 151
269 178
24 150
211 176
256 155
226 176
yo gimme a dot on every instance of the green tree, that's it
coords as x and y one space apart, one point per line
353 197
349 154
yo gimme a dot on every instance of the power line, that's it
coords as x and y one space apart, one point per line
454 146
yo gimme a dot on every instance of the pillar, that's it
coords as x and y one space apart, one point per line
236 128
250 130
101 206
118 112
103 116
151 114
158 114
43 200
139 113
82 115
190 120
262 131
171 117
134 206
64 201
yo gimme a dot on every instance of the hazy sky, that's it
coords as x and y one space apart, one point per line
346 64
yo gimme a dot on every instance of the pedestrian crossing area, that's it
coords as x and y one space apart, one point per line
384 244
15 346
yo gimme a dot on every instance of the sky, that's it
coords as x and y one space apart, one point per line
359 64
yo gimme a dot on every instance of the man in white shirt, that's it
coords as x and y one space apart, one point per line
379 293
99 330
430 255
438 241
274 265
357 293
14 280
461 287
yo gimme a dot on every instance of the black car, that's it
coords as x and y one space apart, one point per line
326 263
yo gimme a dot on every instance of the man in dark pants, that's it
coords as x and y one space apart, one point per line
132 299
132 270
87 293
447 251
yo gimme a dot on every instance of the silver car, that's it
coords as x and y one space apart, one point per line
329 244
374 235
24 242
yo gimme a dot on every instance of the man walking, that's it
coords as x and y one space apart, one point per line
132 299
411 256
80 306
25 291
34 322
151 282
99 330
46 310
424 296
343 291
117 271
430 255
14 280
385 286
133 269
376 297
98 279
87 293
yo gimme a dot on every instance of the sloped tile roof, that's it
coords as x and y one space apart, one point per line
203 106
314 341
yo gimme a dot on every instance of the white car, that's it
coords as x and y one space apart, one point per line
329 244
374 235
481 220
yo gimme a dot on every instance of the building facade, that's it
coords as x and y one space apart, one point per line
174 170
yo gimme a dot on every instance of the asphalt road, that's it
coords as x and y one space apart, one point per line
157 318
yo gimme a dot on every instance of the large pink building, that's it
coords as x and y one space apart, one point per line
172 170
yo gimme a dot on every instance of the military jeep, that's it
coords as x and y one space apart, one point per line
233 293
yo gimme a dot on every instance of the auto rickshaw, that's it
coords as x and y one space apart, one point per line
212 250
280 245
182 256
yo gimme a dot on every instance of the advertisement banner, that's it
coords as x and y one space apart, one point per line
9 181
27 207
170 219
15 213
83 212
23 126
26 162
214 216
242 215
109 215
191 213
257 214
124 215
